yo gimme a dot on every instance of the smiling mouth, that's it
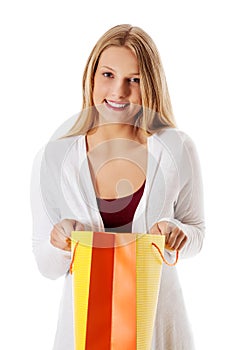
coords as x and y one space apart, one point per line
116 105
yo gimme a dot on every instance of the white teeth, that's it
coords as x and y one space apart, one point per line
116 105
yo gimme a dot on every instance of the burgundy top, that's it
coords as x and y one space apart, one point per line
118 213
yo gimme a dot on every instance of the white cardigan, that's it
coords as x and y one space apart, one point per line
61 188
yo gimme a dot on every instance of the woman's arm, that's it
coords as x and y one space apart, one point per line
186 230
52 261
189 209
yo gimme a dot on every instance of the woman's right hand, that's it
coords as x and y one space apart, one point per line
60 235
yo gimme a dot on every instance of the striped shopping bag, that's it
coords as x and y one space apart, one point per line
116 278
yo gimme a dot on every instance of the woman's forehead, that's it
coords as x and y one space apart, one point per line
115 57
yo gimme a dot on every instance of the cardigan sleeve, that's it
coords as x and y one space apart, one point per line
52 262
189 206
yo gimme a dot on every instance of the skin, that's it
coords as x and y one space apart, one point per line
117 98
117 80
116 157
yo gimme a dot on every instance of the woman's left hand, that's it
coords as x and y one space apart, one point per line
175 237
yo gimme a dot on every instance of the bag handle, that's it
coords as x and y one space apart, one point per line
163 258
153 244
72 261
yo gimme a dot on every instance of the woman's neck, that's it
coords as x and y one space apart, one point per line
116 131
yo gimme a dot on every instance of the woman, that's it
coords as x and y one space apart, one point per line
123 167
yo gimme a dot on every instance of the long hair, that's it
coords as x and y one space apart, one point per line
156 105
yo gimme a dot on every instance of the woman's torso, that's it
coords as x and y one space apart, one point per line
118 166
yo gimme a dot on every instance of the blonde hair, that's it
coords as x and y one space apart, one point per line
156 105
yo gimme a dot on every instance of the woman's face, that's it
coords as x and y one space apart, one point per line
116 92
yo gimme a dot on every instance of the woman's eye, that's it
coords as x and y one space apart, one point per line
108 75
134 80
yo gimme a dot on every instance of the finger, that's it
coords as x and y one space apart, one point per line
58 234
171 237
59 240
60 231
68 226
79 226
68 244
155 230
58 228
166 227
182 242
177 239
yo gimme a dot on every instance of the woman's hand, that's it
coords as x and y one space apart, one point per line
175 237
60 235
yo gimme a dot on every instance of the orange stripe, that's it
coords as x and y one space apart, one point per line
124 293
98 334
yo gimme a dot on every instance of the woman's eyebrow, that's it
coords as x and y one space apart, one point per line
107 67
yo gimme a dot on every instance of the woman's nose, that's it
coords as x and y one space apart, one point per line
120 89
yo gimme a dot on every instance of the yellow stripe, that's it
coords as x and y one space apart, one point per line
81 282
148 264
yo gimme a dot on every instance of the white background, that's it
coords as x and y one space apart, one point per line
44 46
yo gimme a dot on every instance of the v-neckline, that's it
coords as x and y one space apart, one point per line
144 167
88 179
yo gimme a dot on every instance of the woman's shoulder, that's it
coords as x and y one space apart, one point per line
55 152
176 142
174 138
56 149
172 134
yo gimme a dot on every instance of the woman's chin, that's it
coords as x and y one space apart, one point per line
109 114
